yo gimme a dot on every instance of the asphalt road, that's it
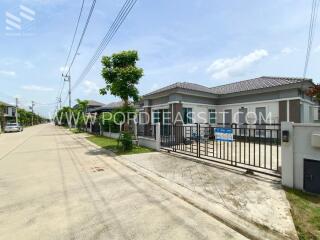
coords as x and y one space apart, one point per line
55 185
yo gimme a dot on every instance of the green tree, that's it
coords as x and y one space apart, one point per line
121 75
63 116
80 113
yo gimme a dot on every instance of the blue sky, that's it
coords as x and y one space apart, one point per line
203 41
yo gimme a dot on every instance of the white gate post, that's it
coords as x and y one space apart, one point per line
158 136
287 163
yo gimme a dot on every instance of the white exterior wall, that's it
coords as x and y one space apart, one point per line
10 112
296 150
272 108
200 112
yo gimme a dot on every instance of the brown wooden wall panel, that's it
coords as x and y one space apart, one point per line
294 111
282 111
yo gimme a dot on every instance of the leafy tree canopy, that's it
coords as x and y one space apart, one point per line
121 75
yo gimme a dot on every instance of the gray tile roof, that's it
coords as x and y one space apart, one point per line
109 106
246 85
94 103
256 83
183 85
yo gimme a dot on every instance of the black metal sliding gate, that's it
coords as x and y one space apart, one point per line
253 147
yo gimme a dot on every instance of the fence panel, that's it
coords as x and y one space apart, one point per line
253 147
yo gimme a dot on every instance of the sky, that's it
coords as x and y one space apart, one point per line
209 42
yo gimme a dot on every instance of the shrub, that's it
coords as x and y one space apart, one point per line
126 141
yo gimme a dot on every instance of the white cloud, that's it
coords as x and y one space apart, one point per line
317 49
288 50
90 87
225 68
63 69
37 88
7 73
29 65
193 69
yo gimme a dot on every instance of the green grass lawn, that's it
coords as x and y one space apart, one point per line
306 213
75 130
112 145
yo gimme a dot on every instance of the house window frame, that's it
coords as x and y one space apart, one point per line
154 118
225 117
187 119
212 111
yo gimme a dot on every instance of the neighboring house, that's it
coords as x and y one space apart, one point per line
92 105
106 107
9 111
279 98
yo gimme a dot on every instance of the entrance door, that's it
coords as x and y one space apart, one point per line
311 176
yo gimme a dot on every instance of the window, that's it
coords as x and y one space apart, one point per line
228 117
243 115
156 116
166 117
187 115
212 116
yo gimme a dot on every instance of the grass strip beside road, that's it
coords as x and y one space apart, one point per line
112 145
305 209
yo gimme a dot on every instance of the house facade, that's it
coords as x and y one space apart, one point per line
263 100
9 111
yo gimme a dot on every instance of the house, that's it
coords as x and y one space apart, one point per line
255 101
9 111
92 104
106 107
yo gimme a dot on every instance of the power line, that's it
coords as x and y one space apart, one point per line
82 35
123 13
74 35
70 49
313 20
67 75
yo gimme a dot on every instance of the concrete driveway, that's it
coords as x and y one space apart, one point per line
55 185
254 204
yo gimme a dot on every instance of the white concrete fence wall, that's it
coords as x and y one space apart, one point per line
151 142
304 143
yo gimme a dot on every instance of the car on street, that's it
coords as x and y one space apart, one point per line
13 127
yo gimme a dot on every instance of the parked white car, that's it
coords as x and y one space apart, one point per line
13 127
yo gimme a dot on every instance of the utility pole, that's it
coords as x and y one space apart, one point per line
59 103
67 78
16 110
32 106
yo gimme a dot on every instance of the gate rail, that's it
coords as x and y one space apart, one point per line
254 147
